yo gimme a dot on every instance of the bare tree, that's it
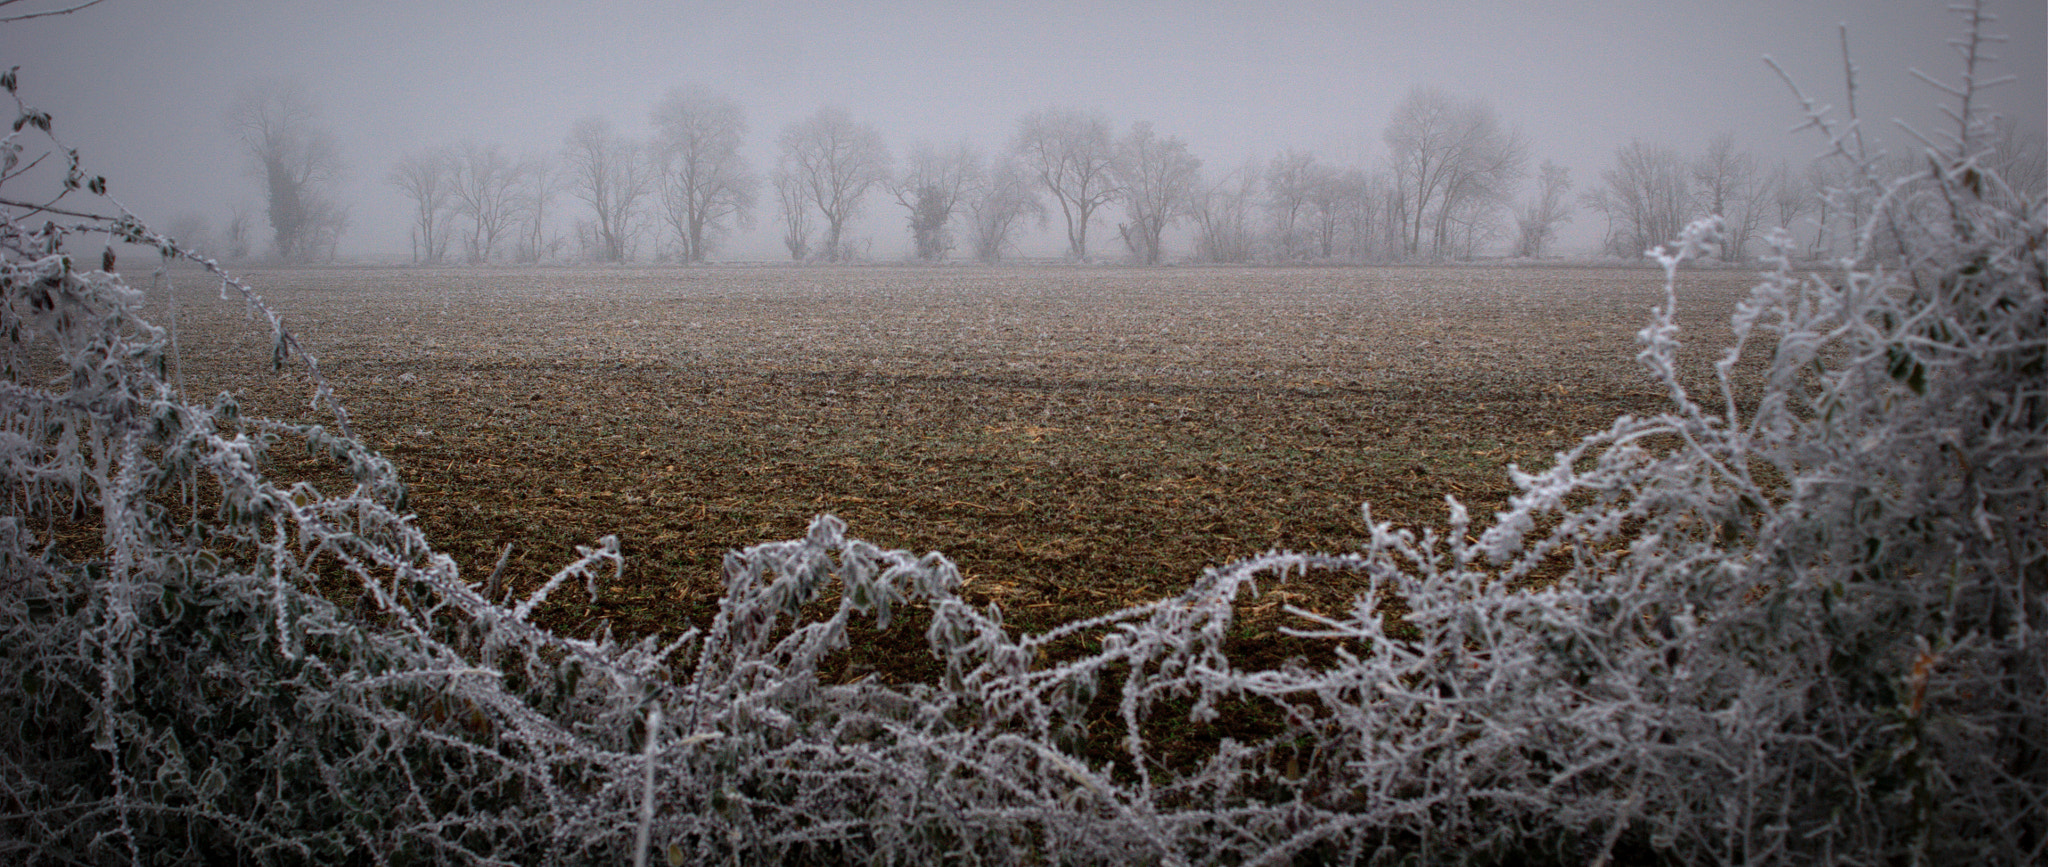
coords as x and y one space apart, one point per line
1157 178
609 173
1222 213
796 212
192 231
1731 185
485 191
329 221
1790 196
702 179
1455 164
299 163
1341 208
931 187
1313 206
834 161
1348 217
425 177
1537 219
1472 224
1004 196
533 196
238 234
1292 179
2020 157
1070 152
1646 197
1842 201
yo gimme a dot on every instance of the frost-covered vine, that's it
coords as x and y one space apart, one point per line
1799 620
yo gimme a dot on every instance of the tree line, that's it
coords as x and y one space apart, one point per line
1650 191
1446 190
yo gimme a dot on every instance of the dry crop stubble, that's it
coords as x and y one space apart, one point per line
1076 439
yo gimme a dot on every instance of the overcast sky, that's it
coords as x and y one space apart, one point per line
139 86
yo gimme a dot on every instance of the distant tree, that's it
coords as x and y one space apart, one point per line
1646 195
486 191
192 231
1472 225
1004 195
1315 208
1334 203
426 177
1070 152
533 196
589 245
2019 156
1157 179
1601 201
834 161
330 220
1222 213
1455 164
299 163
238 234
1382 241
702 179
609 173
931 186
1730 184
1840 202
1537 219
1291 178
796 212
1789 195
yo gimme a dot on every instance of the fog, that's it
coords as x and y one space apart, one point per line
141 87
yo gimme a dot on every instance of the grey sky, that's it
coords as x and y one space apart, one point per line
140 85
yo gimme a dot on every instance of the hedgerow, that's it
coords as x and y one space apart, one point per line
1799 622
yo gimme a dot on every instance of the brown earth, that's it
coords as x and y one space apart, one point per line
1076 439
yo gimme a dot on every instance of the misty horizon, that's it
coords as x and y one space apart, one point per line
1239 85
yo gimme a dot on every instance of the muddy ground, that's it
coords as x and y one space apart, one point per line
1075 439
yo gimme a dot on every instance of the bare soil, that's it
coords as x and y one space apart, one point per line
1076 439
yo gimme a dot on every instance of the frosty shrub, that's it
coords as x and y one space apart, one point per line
1800 620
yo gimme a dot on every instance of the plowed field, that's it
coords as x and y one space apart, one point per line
1074 438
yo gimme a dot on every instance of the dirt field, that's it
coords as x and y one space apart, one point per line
1073 438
